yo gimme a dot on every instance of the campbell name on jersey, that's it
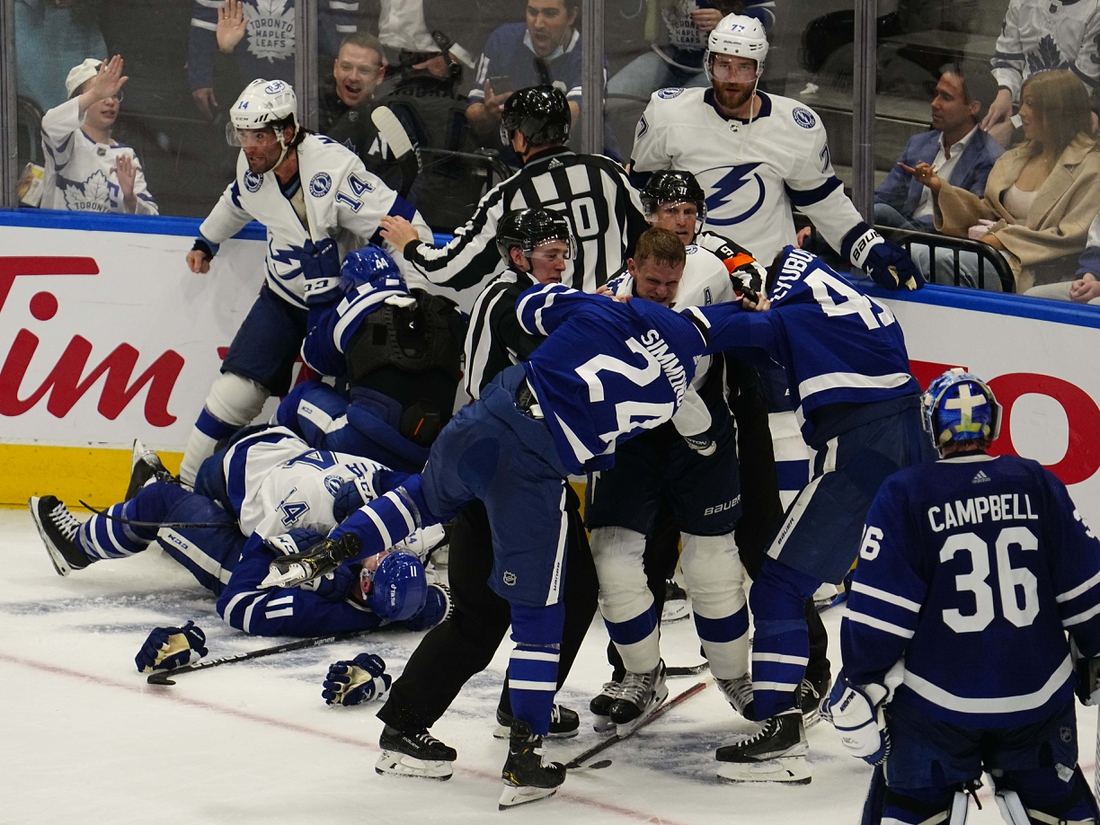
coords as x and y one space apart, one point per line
338 198
752 172
836 345
276 482
637 381
974 568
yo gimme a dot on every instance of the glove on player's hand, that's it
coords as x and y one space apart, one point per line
856 711
887 263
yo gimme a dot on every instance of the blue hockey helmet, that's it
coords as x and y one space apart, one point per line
959 406
400 589
370 264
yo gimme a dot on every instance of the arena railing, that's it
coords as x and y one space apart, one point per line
990 262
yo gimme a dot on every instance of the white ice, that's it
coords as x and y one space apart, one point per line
84 738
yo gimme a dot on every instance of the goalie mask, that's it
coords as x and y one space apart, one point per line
670 187
959 406
397 589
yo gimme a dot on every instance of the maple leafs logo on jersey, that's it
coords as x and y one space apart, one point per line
270 29
1046 57
94 195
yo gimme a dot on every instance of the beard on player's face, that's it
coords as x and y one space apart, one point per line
733 95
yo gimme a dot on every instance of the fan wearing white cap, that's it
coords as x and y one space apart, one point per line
757 155
318 202
86 170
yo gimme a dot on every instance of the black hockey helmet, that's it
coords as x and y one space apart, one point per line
673 186
540 113
530 228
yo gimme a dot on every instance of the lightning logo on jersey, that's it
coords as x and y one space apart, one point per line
726 187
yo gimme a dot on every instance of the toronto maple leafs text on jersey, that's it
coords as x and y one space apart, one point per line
974 568
1037 35
81 175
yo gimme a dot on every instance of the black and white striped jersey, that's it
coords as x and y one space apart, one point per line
494 339
592 191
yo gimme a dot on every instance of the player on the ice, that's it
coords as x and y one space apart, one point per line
971 572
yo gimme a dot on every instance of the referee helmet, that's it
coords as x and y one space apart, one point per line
539 113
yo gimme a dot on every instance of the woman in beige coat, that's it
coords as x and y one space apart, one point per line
1042 195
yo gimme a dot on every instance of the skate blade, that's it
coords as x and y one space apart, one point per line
810 719
293 576
503 732
627 728
62 567
522 795
790 770
392 763
603 724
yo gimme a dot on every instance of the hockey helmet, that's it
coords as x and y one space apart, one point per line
540 113
959 406
262 104
739 36
399 589
672 186
531 228
369 265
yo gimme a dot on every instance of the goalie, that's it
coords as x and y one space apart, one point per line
973 568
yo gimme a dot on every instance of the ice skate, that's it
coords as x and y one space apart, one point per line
145 465
297 568
639 695
57 527
676 606
600 706
565 723
775 753
527 776
414 753
738 693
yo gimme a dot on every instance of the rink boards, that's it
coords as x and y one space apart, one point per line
105 335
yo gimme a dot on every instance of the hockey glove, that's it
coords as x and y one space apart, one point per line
887 263
350 497
424 541
437 609
857 713
170 647
359 680
701 443
321 269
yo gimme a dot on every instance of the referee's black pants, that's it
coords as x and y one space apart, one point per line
462 646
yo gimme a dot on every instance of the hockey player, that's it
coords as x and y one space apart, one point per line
317 201
848 372
757 155
971 571
227 533
591 191
536 245
607 371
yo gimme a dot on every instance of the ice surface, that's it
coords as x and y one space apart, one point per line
84 739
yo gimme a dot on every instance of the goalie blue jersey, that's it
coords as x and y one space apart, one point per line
973 568
646 358
837 345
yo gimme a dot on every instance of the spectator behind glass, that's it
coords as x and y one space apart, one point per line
960 152
236 41
1037 36
678 61
1041 196
357 71
86 170
1086 289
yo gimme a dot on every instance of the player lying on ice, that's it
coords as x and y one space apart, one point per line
972 570
608 371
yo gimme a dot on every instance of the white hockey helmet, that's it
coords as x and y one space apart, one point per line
740 36
264 103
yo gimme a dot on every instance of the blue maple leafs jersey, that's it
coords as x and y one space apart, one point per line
837 345
973 568
645 357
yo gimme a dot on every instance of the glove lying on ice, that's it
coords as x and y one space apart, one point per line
856 711
170 647
359 680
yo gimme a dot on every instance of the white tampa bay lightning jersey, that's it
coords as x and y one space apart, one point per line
342 201
974 568
80 173
276 482
752 172
1039 35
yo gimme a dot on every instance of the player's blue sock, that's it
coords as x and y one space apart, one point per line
533 667
781 645
105 537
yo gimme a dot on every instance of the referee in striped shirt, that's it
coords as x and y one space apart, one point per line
592 192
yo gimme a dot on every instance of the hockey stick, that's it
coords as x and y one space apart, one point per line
687 670
174 525
408 158
161 677
579 760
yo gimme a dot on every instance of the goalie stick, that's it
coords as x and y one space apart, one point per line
580 759
408 157
161 677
